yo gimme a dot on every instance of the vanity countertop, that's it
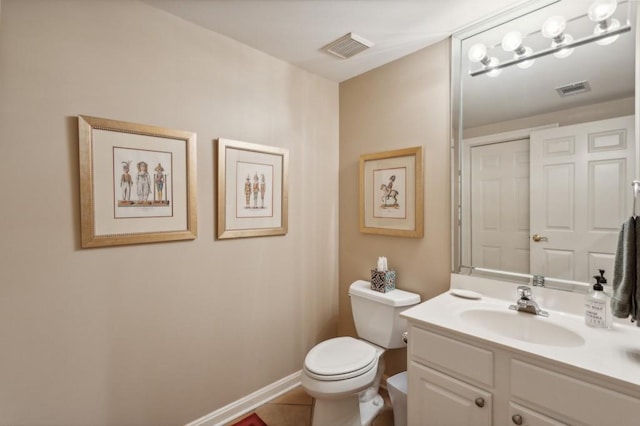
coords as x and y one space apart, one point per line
613 353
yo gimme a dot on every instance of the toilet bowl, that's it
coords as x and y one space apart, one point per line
339 367
343 374
397 387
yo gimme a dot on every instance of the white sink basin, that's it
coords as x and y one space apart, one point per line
522 326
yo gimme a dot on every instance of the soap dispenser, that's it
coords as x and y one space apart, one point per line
598 305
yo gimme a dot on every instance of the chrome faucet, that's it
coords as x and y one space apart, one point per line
526 303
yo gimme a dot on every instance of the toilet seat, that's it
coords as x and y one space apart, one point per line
340 358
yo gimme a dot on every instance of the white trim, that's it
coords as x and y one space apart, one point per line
249 403
507 136
637 100
509 13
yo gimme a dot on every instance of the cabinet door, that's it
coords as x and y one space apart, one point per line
582 402
435 399
520 415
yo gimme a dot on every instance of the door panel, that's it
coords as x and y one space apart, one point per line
435 399
500 206
559 201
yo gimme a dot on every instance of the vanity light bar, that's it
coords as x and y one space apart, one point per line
551 50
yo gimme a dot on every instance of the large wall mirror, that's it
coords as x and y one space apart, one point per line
544 135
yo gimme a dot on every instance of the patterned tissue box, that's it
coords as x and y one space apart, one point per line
383 281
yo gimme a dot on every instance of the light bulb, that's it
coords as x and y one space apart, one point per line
492 63
511 41
566 39
477 52
525 64
601 10
610 25
553 26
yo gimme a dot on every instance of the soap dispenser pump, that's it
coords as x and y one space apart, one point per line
597 305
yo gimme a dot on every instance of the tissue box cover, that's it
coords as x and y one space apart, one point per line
383 281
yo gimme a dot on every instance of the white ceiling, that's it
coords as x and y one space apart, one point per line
296 30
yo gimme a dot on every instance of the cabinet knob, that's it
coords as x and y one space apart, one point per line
516 419
480 402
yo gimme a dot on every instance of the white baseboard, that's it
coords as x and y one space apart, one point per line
249 403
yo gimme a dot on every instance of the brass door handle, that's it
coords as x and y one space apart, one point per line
537 238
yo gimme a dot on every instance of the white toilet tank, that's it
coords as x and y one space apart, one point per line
377 314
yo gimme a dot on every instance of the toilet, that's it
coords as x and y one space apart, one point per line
343 374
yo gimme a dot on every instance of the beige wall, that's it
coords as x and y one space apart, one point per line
566 117
159 333
399 105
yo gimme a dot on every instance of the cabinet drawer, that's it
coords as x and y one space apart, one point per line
575 399
524 416
435 399
459 359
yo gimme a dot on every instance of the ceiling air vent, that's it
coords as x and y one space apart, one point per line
347 46
573 88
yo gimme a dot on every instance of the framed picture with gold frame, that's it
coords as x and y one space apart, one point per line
137 183
391 193
252 189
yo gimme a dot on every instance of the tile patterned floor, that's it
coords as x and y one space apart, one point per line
295 409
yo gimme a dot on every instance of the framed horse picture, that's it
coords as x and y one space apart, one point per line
391 193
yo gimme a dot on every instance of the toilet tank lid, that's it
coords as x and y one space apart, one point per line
395 297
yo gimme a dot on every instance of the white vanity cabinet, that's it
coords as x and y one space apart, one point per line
458 380
439 399
450 381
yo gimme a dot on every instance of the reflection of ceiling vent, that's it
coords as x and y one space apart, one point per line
573 88
347 46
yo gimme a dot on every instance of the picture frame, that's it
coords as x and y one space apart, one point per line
391 193
120 206
252 190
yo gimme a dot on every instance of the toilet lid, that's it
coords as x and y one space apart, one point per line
340 358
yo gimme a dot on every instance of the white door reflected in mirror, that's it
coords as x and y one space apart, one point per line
570 183
580 195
